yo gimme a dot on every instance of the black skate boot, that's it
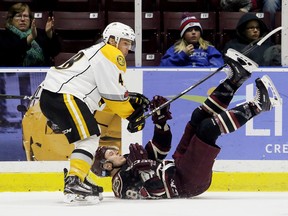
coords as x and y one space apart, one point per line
240 67
77 191
263 101
97 190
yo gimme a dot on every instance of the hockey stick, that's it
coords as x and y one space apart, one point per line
24 97
249 48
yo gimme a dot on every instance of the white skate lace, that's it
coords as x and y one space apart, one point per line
274 97
257 99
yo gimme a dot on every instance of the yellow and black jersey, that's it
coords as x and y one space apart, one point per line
94 75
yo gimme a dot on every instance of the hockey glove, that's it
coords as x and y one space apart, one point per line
138 100
141 165
136 121
161 116
137 152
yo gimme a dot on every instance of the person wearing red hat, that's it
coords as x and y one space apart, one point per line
191 50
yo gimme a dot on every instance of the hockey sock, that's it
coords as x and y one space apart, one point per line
220 98
233 119
79 168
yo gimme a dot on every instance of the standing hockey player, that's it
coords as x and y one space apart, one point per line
143 173
75 90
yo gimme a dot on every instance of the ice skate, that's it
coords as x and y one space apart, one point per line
267 95
95 188
239 68
76 191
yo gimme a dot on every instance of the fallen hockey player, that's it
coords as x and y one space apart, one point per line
145 174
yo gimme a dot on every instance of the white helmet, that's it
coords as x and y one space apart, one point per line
119 30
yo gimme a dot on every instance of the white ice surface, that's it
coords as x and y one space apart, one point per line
207 204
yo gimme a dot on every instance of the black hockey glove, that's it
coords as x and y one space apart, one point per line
139 100
161 116
136 121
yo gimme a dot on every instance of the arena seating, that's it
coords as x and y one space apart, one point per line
80 23
5 4
62 57
148 59
3 15
41 18
150 27
78 30
278 21
128 5
183 5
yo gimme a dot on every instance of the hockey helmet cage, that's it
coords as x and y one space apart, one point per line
119 30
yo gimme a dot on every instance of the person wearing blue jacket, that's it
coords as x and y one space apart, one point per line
191 50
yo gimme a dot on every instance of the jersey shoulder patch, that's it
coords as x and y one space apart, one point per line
114 55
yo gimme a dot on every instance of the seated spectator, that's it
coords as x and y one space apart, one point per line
249 29
191 50
271 6
236 5
272 56
22 44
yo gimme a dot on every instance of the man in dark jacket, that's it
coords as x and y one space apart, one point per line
249 29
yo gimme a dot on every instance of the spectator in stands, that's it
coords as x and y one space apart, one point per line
271 6
22 44
191 50
249 29
236 5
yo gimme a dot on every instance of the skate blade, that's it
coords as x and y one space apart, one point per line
276 100
76 199
246 63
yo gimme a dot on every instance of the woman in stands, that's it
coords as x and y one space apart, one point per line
191 50
22 44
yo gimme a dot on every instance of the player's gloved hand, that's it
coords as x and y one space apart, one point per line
136 121
141 165
137 152
139 100
161 116
138 158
